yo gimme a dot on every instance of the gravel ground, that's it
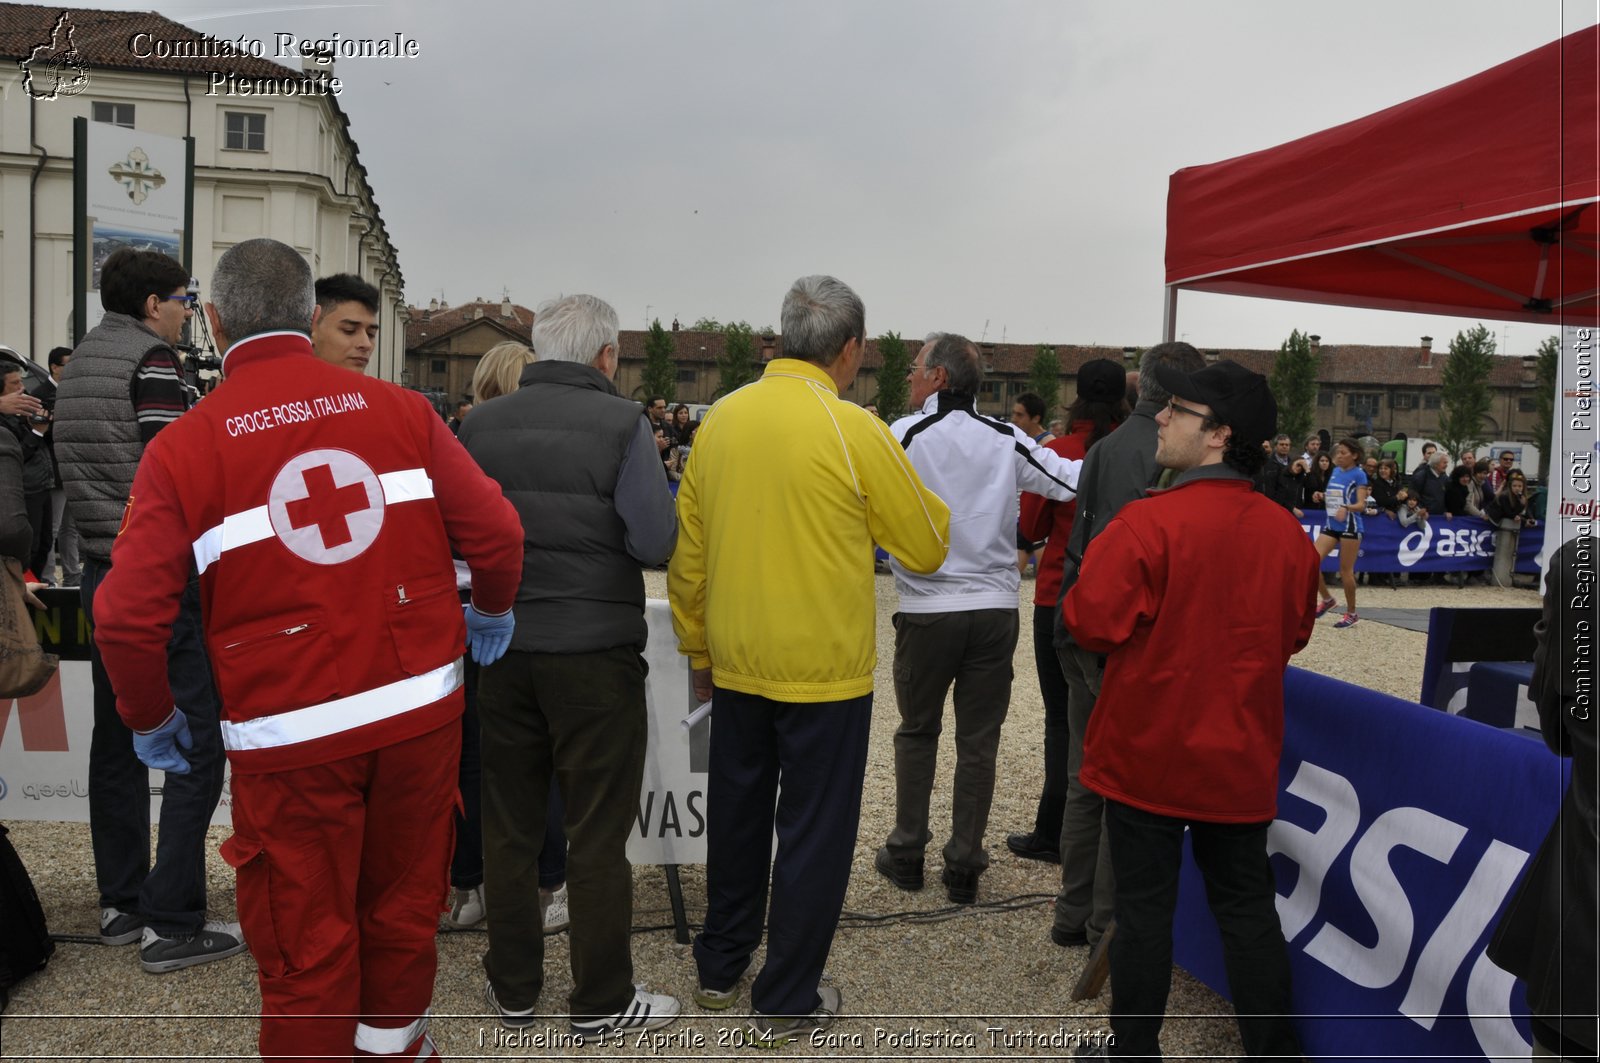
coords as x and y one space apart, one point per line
918 978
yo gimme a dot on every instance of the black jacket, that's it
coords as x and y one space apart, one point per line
574 458
1548 934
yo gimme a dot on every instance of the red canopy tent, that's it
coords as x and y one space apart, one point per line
1478 199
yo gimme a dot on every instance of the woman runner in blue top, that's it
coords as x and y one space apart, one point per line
1345 498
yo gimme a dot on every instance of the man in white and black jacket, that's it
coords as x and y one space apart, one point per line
959 624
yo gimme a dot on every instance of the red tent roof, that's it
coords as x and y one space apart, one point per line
1478 199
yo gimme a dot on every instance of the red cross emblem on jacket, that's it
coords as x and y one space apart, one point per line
326 506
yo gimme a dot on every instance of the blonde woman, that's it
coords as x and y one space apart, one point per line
499 370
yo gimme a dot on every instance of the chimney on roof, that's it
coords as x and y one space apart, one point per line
1130 356
505 306
1213 357
312 63
986 350
674 324
477 311
426 314
433 304
768 346
1426 360
1316 342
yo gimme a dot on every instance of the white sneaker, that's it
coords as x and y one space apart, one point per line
468 909
554 910
646 1011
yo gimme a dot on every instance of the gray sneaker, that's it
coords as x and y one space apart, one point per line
768 1031
119 928
213 941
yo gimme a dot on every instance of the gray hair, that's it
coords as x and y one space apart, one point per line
261 286
959 359
573 328
1179 355
820 315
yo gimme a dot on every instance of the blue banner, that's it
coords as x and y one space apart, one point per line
1401 833
1462 544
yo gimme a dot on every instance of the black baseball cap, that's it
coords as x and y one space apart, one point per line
1102 380
1238 397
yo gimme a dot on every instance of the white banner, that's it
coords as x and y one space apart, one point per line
1574 443
137 183
44 755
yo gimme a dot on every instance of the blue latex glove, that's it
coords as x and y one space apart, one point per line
488 637
158 748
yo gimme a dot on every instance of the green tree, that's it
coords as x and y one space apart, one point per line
1544 420
892 389
737 366
660 376
1294 385
1464 392
706 324
1044 380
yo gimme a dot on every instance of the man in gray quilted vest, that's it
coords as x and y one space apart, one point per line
580 463
123 385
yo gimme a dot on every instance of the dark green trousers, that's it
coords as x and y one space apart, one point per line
581 718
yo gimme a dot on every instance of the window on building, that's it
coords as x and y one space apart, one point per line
1403 400
989 391
1430 400
1363 403
244 131
687 376
1325 397
1527 404
436 366
112 113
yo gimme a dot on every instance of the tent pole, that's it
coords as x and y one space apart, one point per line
1169 315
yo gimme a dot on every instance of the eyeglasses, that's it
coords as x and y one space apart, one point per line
915 368
1174 408
186 300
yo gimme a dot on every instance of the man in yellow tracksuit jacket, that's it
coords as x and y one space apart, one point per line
772 592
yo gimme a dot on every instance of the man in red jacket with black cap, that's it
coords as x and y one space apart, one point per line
318 510
1188 728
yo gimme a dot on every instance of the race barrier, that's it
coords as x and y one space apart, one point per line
44 742
1401 833
1439 544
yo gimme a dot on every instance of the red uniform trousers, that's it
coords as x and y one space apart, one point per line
343 870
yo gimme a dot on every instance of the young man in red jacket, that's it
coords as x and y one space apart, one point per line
318 510
1188 728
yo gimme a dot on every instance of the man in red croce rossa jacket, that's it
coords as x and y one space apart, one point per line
1198 595
318 510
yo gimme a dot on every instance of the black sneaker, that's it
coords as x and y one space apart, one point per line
213 941
961 883
119 928
904 871
768 1031
1031 847
1068 939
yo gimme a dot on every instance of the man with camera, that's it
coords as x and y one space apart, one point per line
123 385
28 420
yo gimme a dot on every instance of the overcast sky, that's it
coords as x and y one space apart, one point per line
996 168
